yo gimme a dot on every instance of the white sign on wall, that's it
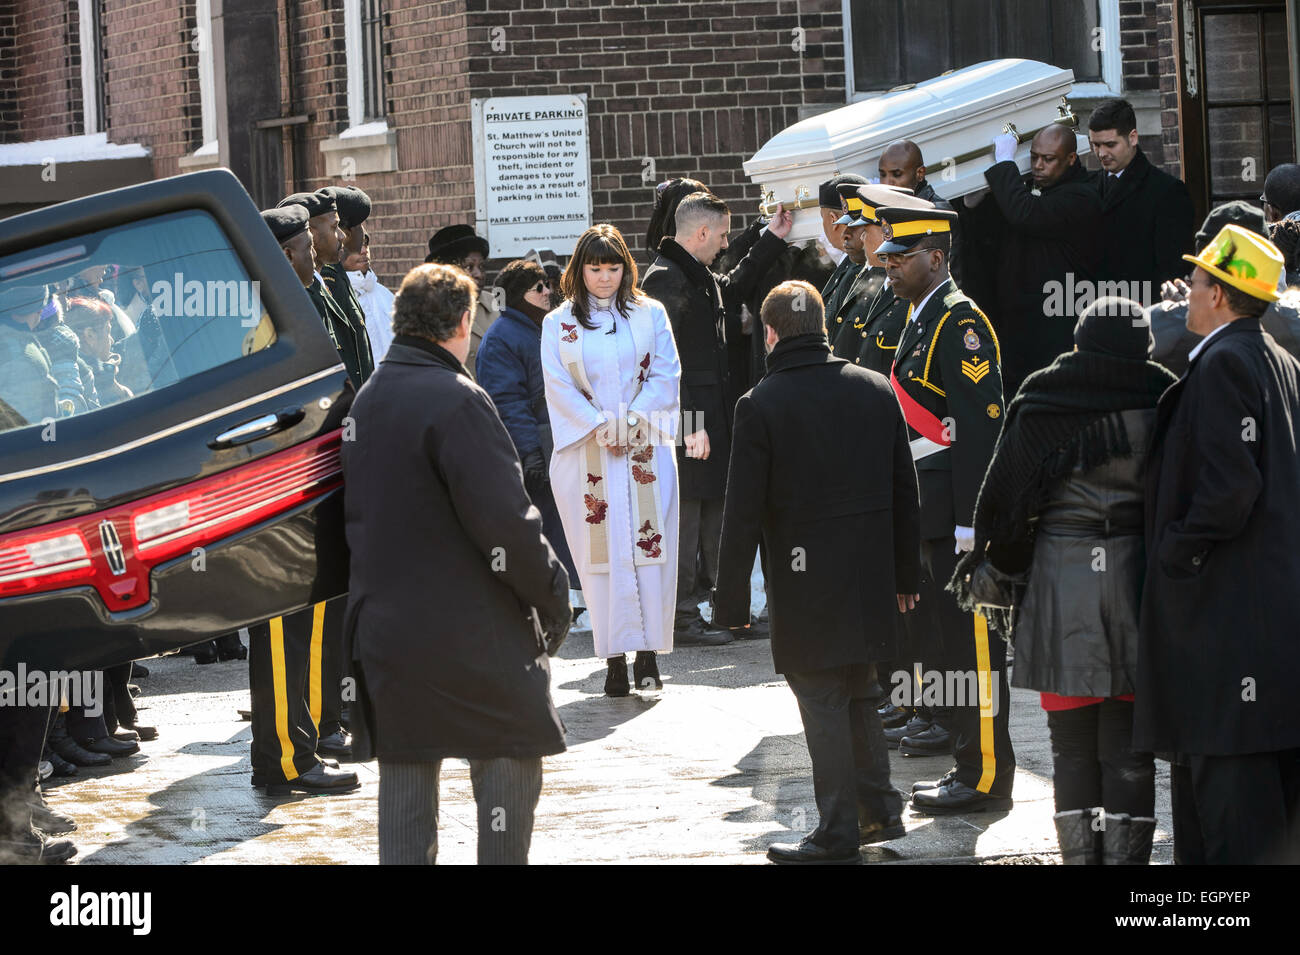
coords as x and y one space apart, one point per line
532 173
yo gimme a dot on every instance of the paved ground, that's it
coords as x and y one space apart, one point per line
712 771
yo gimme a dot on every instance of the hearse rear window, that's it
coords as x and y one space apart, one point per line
111 315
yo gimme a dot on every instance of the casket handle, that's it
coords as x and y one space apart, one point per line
1065 117
803 199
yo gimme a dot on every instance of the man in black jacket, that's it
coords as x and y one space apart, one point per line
831 205
680 279
902 165
1048 237
1218 659
1147 214
819 467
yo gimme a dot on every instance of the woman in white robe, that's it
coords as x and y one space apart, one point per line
612 377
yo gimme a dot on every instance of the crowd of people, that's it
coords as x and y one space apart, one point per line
1047 416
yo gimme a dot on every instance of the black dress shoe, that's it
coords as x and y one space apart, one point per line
697 633
645 671
206 652
33 848
230 647
49 821
957 797
807 852
616 676
943 780
318 779
758 629
913 727
146 734
892 716
108 746
139 671
933 741
337 745
126 736
891 828
61 766
69 749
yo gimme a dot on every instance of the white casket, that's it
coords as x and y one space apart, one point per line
953 118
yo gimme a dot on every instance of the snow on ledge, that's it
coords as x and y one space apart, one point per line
94 146
378 127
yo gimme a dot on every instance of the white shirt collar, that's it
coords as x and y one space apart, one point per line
1205 341
916 311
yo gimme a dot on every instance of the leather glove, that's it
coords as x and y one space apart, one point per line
554 630
965 538
1004 147
535 472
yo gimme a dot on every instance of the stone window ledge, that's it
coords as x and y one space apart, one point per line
207 156
361 150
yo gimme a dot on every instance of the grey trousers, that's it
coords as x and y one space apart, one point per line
699 539
506 791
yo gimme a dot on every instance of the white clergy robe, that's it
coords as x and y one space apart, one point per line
619 512
377 302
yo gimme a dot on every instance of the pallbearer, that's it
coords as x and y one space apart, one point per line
947 377
859 283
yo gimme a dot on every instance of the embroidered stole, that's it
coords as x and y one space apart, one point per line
644 483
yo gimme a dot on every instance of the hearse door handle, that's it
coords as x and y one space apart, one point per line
262 427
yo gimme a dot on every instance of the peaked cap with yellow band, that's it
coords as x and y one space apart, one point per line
1244 260
855 213
871 197
908 222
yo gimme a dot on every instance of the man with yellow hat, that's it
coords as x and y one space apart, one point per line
1218 656
948 379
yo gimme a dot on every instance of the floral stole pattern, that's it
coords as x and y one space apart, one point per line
646 508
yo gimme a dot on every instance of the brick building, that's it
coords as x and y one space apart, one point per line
95 93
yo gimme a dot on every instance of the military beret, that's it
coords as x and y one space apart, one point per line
21 299
315 203
828 195
285 222
352 203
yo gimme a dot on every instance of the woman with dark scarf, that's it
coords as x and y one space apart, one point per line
1062 502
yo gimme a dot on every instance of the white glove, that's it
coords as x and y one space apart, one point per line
965 538
1004 147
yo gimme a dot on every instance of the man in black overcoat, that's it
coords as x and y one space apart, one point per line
1219 656
1047 238
1147 216
821 471
456 595
679 278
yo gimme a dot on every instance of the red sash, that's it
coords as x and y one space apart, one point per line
918 418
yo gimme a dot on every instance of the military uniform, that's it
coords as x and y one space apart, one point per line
881 327
947 376
836 287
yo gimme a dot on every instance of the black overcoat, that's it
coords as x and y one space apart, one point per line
694 299
1219 647
448 563
821 471
1148 224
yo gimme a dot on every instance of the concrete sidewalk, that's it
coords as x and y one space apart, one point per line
714 770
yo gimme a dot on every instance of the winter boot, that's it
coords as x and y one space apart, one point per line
1126 840
1080 842
616 676
645 671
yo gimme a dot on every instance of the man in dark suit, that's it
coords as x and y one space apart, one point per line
1147 214
1218 658
820 466
875 325
680 279
834 227
902 165
1052 236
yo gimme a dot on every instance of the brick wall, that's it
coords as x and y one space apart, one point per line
48 70
1168 87
10 119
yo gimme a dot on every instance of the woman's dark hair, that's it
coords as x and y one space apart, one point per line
600 245
431 300
517 278
663 221
1286 236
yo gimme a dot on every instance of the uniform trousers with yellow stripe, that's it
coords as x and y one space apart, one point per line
294 677
963 646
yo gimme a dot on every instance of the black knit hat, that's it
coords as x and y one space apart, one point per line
285 222
1235 212
352 203
316 203
452 243
21 299
1114 326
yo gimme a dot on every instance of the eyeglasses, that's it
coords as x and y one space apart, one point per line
1264 200
896 258
542 287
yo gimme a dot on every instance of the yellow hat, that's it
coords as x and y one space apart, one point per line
1244 260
